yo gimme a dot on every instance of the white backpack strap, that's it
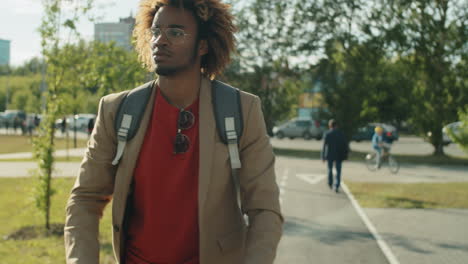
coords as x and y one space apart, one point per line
231 135
232 138
122 137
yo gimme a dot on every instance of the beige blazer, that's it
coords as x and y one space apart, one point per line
224 236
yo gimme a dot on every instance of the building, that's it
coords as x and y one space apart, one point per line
4 52
120 33
311 102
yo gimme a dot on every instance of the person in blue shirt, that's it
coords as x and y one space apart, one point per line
377 144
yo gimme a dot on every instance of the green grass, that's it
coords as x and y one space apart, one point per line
411 195
359 156
19 211
16 143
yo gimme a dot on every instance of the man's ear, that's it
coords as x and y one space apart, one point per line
203 47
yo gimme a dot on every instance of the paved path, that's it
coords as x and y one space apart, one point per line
321 226
79 152
423 236
23 169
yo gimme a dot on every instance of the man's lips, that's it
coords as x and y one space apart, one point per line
160 54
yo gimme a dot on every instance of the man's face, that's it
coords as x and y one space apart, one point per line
174 47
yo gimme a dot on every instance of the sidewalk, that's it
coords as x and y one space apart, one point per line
78 152
423 236
15 169
23 168
416 236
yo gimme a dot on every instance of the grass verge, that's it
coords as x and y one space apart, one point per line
19 211
16 143
411 195
359 156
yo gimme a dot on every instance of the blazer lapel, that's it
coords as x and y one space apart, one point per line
207 129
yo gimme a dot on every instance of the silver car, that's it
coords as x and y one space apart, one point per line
304 128
454 127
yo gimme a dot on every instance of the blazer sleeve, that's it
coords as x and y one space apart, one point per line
260 193
91 193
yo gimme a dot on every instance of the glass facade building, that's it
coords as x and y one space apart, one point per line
4 52
120 33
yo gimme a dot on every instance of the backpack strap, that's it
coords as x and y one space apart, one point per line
129 115
228 116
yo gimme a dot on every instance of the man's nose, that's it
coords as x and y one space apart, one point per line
161 40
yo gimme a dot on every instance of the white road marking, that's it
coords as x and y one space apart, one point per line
283 184
382 244
311 178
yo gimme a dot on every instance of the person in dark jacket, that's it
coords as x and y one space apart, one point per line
335 150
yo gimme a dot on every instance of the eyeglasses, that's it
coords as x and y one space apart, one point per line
175 35
185 121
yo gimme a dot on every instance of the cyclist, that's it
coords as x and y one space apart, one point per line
378 144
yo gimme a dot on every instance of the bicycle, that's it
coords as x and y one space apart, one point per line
387 159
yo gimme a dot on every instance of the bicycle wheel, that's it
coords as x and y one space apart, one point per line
371 161
393 165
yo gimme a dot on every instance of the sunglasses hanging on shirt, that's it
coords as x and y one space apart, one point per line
185 121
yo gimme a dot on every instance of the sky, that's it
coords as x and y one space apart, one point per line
20 19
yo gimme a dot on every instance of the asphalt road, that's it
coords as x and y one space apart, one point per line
405 145
321 226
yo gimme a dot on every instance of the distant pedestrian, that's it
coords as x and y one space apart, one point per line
29 123
90 126
7 125
37 120
16 124
335 150
64 125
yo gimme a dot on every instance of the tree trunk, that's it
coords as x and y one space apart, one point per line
438 149
49 177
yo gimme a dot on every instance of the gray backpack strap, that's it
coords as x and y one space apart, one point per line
228 116
129 115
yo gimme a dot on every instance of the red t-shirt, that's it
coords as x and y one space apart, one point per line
163 223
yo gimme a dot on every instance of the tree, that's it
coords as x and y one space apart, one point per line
96 69
343 78
273 85
51 41
432 36
262 63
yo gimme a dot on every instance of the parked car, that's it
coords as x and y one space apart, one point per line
455 127
14 119
304 128
366 132
2 119
82 121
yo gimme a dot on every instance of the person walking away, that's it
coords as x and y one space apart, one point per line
335 149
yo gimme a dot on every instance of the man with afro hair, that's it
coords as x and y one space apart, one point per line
173 200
